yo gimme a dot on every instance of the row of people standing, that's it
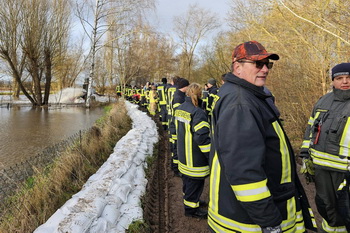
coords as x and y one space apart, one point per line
145 96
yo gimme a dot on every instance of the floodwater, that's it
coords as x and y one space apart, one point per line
26 131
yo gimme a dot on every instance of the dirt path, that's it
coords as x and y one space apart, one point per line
163 208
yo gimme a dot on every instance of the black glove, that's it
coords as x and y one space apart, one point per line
308 170
276 229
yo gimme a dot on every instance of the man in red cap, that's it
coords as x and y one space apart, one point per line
254 185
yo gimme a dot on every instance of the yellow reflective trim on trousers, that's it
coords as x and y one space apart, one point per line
328 160
188 145
342 185
345 140
204 148
285 157
312 217
194 171
219 223
214 183
251 192
328 228
201 125
191 204
306 144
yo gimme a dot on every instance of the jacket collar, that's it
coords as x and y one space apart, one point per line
341 95
257 91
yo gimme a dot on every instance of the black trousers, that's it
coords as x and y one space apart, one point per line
174 157
332 203
163 116
192 189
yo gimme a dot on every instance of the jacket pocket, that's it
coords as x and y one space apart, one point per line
336 129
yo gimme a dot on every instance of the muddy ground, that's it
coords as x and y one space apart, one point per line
163 203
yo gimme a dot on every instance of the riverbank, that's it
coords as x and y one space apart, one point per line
53 185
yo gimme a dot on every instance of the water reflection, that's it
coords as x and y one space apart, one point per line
26 131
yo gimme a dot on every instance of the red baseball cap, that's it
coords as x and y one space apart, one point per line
252 50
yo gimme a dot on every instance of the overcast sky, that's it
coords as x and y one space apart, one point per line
167 9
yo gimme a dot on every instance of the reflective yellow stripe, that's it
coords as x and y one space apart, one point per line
220 223
306 144
345 140
205 148
342 185
201 125
328 160
285 156
188 145
251 192
193 171
328 228
191 204
214 183
176 105
182 115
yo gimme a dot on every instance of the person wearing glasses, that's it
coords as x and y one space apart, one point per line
326 152
254 185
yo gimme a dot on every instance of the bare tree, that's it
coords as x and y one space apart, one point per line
33 34
10 41
191 28
99 17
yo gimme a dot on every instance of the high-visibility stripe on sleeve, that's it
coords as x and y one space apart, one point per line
201 125
251 192
205 148
306 144
176 105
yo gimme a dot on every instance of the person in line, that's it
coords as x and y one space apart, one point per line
161 89
212 90
171 89
193 146
178 98
254 186
326 152
153 100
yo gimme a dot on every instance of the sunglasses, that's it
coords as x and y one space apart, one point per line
258 64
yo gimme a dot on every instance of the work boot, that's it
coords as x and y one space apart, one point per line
203 203
199 213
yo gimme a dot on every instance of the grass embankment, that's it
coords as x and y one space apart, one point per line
52 186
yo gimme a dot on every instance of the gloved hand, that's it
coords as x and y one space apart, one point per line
308 170
276 229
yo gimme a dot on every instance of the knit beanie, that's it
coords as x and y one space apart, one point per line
340 69
182 82
212 81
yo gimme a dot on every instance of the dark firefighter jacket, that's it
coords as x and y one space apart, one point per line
161 94
178 98
208 99
170 96
193 141
253 179
330 124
